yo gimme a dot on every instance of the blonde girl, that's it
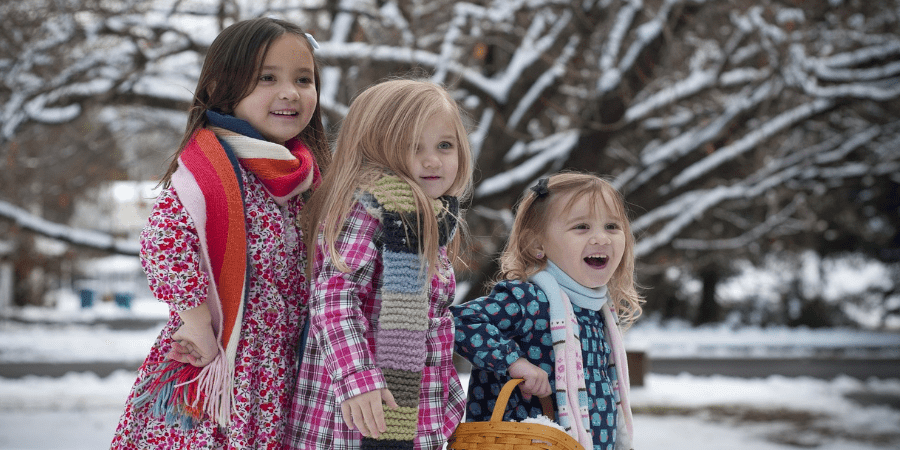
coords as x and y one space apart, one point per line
377 369
222 247
554 320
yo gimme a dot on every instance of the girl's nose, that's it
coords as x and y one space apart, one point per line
431 161
600 238
289 93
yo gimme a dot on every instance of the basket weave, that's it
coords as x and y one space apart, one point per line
500 435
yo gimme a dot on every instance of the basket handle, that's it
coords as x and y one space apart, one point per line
503 398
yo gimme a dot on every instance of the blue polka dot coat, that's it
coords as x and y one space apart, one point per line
513 322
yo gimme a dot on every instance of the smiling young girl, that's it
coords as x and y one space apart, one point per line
377 369
222 248
568 279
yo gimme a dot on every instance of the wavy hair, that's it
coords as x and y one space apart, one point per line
518 262
379 134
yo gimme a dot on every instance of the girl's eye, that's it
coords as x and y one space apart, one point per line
444 145
612 226
582 226
305 80
266 78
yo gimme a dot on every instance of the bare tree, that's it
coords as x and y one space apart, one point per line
734 129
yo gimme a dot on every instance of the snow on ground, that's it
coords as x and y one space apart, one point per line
675 412
80 411
68 333
71 334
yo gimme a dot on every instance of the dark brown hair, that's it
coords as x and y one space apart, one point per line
230 73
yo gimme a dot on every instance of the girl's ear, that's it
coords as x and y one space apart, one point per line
534 246
210 88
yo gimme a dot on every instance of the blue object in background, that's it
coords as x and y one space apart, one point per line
87 298
123 299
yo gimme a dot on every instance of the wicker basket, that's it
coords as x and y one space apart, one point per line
500 435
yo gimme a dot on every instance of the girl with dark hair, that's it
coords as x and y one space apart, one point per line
223 247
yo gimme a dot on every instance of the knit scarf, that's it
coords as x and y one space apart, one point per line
400 341
209 184
562 291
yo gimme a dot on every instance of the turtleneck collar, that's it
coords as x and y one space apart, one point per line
581 295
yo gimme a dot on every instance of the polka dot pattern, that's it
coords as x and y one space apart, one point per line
514 322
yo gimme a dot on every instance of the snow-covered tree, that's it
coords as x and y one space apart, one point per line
735 129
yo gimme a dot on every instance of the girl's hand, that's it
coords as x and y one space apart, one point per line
195 342
536 380
364 412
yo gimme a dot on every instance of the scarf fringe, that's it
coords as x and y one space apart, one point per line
181 394
623 436
168 390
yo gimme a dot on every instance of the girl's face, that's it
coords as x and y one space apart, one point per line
587 241
435 163
284 98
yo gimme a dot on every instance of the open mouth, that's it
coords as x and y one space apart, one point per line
285 113
596 261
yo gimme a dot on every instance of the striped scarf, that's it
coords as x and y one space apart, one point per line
209 184
400 341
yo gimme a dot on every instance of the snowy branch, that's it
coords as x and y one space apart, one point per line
750 140
553 148
75 236
690 207
744 240
545 81
704 112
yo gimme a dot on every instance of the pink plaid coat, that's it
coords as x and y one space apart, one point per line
338 359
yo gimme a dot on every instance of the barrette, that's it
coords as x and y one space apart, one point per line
541 189
312 41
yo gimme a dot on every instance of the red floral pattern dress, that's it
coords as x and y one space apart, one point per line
274 314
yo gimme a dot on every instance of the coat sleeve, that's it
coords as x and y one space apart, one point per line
489 328
342 304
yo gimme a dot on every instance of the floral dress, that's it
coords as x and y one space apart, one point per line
274 315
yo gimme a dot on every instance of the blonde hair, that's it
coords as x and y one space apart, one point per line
378 135
518 261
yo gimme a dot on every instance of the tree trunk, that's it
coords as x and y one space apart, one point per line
709 310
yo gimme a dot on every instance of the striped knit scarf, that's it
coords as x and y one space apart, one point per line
209 184
400 341
562 291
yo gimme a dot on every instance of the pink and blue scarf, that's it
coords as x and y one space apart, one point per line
571 393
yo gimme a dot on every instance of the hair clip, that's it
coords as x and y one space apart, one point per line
312 41
541 189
